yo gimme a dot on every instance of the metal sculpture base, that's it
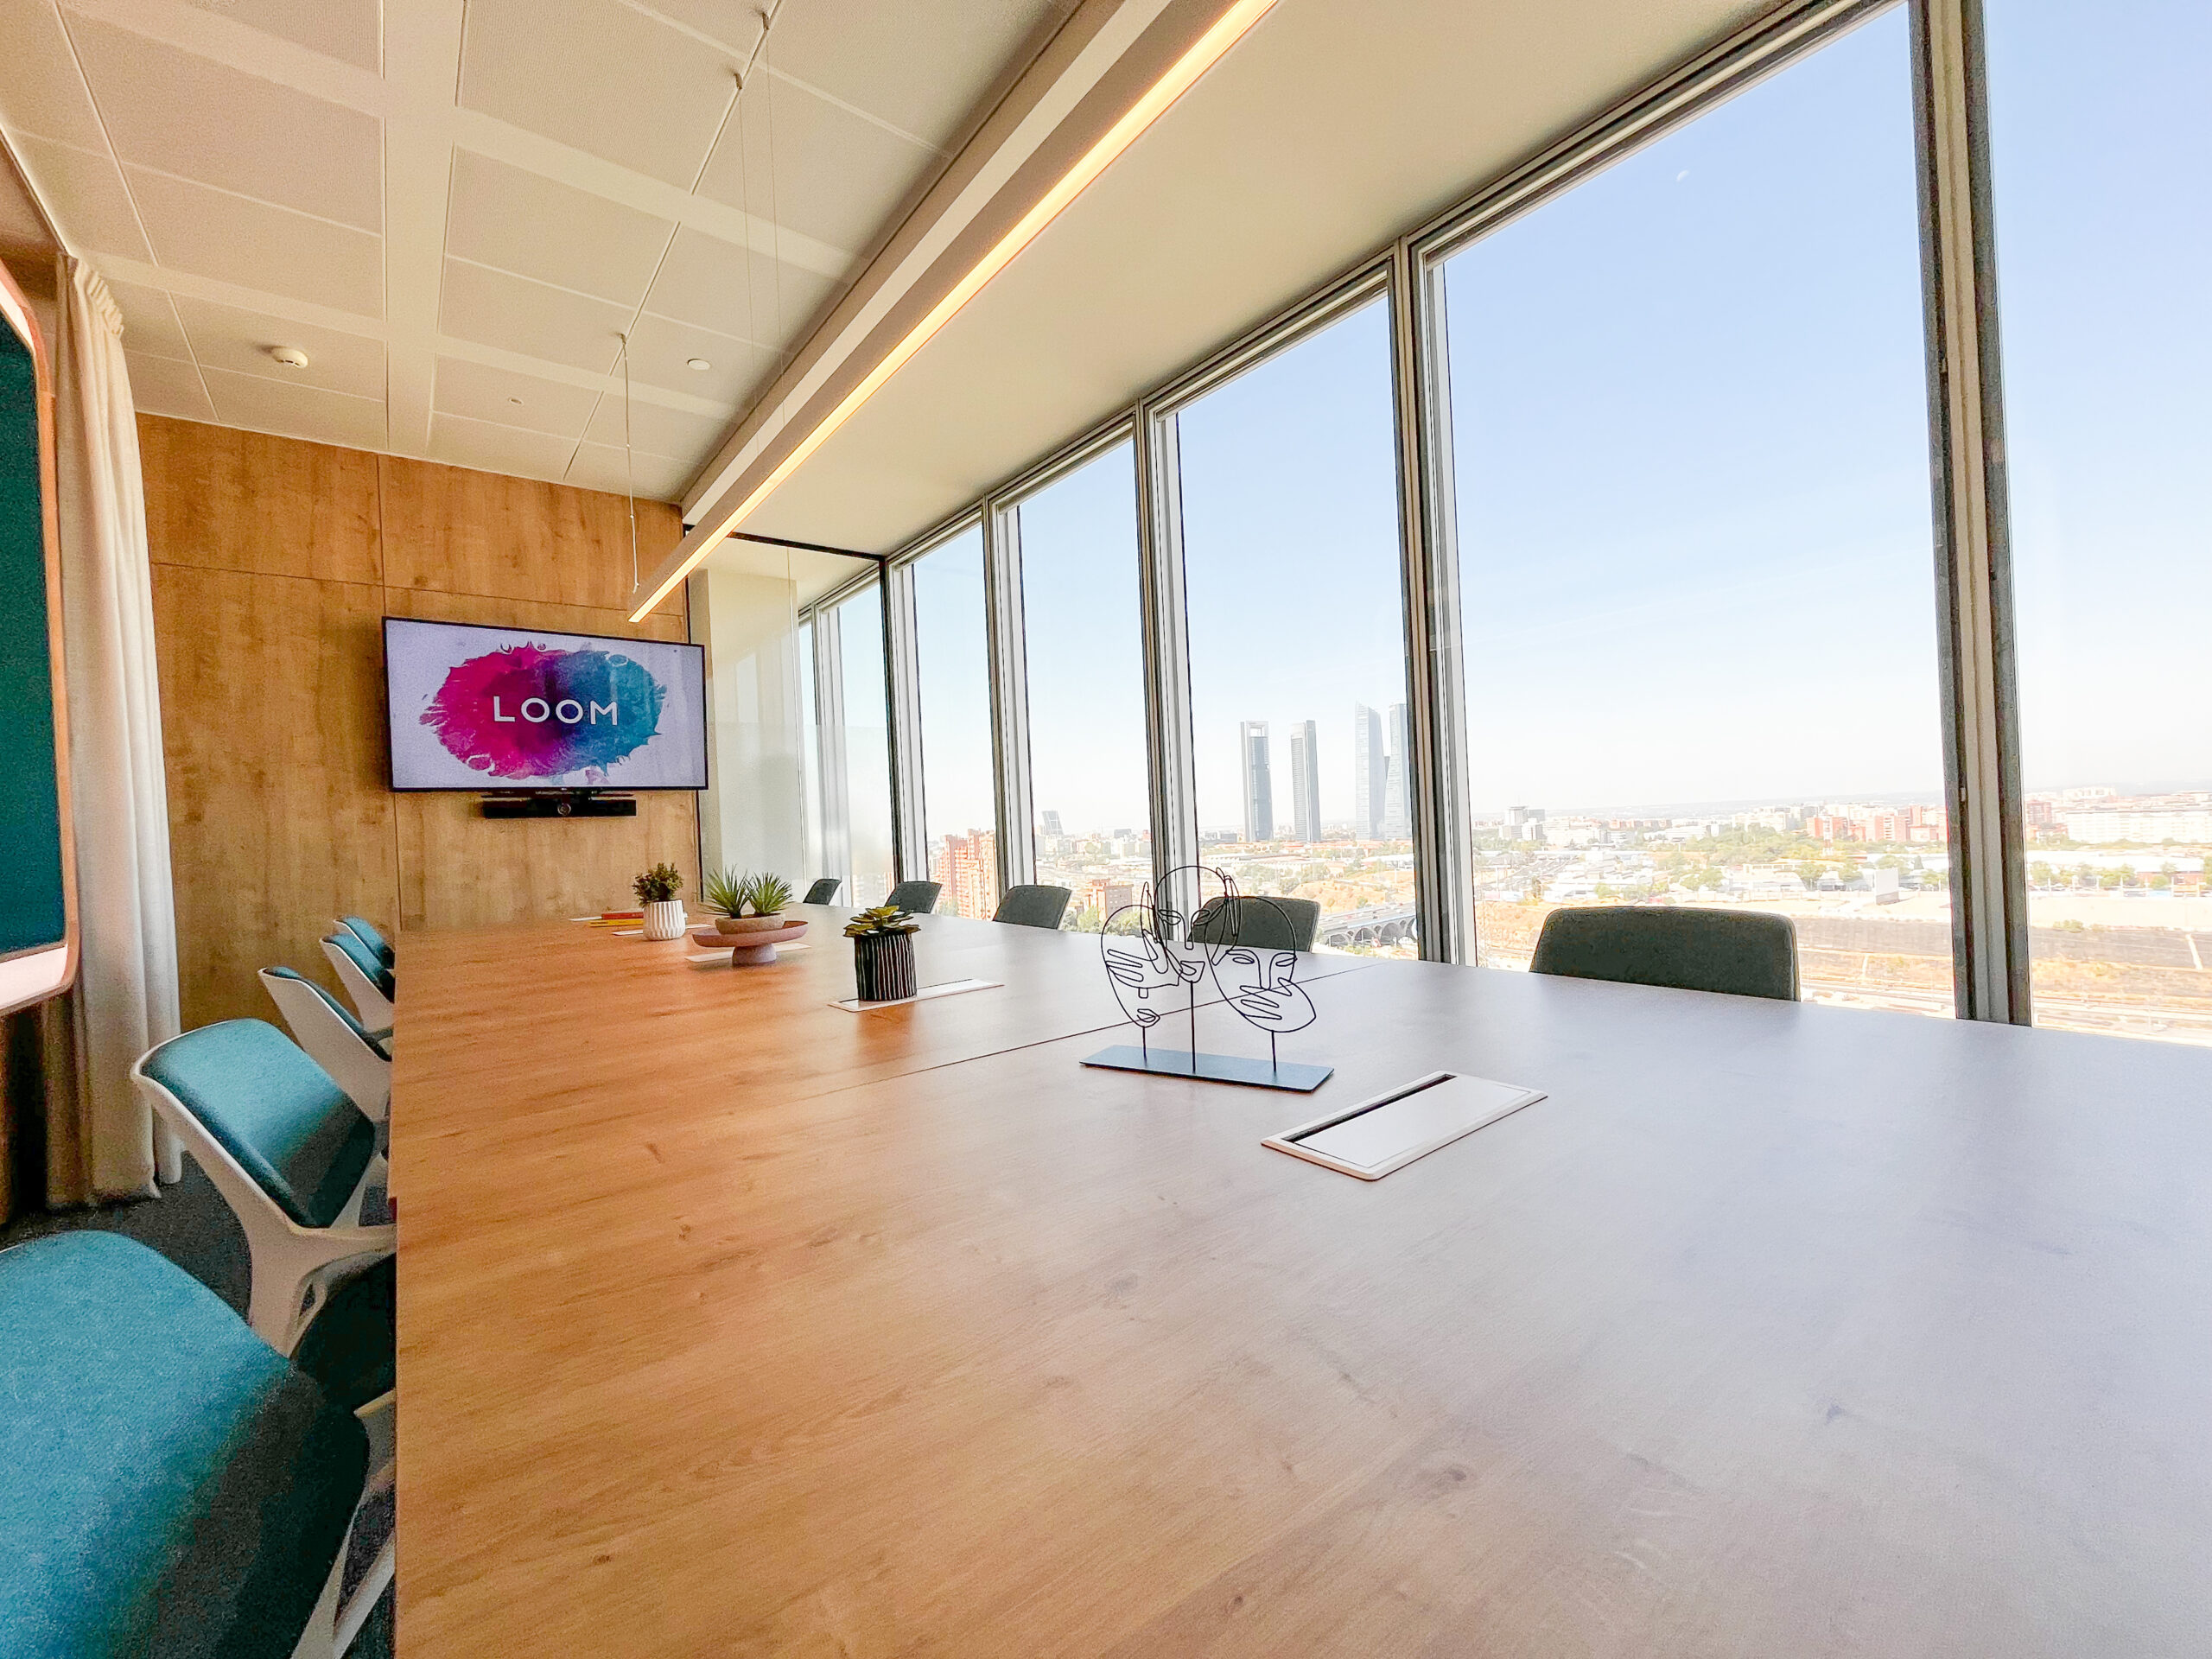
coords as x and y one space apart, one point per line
1214 1068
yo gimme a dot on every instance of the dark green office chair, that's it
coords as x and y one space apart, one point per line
1031 905
825 891
1257 924
1738 952
915 898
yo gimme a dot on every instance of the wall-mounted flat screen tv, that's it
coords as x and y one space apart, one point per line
520 708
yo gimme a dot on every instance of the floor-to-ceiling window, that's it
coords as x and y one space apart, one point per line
1294 590
1090 788
952 677
1688 415
2099 136
865 735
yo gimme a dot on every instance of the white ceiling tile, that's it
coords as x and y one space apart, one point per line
85 195
483 393
927 63
705 280
660 353
601 77
40 90
239 341
503 216
164 386
657 430
737 27
493 449
149 324
516 314
202 120
258 245
836 178
658 478
299 411
349 31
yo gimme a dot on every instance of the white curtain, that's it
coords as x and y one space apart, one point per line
127 986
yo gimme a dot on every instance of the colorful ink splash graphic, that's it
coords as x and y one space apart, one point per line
529 711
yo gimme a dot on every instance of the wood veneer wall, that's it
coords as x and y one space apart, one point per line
274 560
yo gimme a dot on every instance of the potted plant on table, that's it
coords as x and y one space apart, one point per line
657 889
883 954
748 903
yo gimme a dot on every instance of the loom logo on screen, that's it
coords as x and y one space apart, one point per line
532 711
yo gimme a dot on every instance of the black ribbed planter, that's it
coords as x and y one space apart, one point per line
883 967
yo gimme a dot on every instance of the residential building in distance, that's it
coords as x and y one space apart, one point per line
968 867
1305 783
1259 788
1370 773
1396 803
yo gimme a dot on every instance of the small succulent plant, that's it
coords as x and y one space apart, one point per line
770 894
884 919
659 885
725 891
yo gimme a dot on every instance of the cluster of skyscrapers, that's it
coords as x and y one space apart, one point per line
1379 779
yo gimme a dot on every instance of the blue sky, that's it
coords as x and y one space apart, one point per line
1690 428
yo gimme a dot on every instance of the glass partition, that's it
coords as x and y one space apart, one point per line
863 736
1297 633
1081 617
2099 132
1690 442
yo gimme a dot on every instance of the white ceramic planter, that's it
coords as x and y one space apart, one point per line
664 920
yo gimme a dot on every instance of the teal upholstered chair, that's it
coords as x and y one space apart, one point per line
358 1059
1257 924
916 898
1741 952
367 981
366 933
292 1156
1033 905
824 891
173 1486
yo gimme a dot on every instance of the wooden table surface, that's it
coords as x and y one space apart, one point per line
733 1323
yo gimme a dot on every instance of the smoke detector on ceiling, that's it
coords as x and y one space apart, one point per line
291 356
698 363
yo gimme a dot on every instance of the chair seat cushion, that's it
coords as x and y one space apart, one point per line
275 1110
352 1349
172 1486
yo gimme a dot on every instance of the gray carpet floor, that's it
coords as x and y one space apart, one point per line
190 1225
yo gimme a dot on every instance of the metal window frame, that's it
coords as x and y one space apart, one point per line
1006 617
1990 948
827 624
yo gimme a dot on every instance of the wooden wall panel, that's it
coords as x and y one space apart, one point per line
279 820
275 560
229 500
447 530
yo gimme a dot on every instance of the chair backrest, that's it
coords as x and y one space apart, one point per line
1033 905
367 934
824 891
174 1485
1260 924
372 988
1740 953
333 1039
916 898
253 1090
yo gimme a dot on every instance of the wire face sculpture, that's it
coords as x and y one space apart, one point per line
1155 963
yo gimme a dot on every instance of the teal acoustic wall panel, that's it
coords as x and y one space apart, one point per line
33 913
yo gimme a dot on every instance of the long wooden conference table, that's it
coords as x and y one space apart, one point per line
731 1322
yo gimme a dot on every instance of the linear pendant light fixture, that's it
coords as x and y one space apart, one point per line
1231 27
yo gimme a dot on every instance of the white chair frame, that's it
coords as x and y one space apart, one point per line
372 1004
334 1626
355 1065
295 1268
339 925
